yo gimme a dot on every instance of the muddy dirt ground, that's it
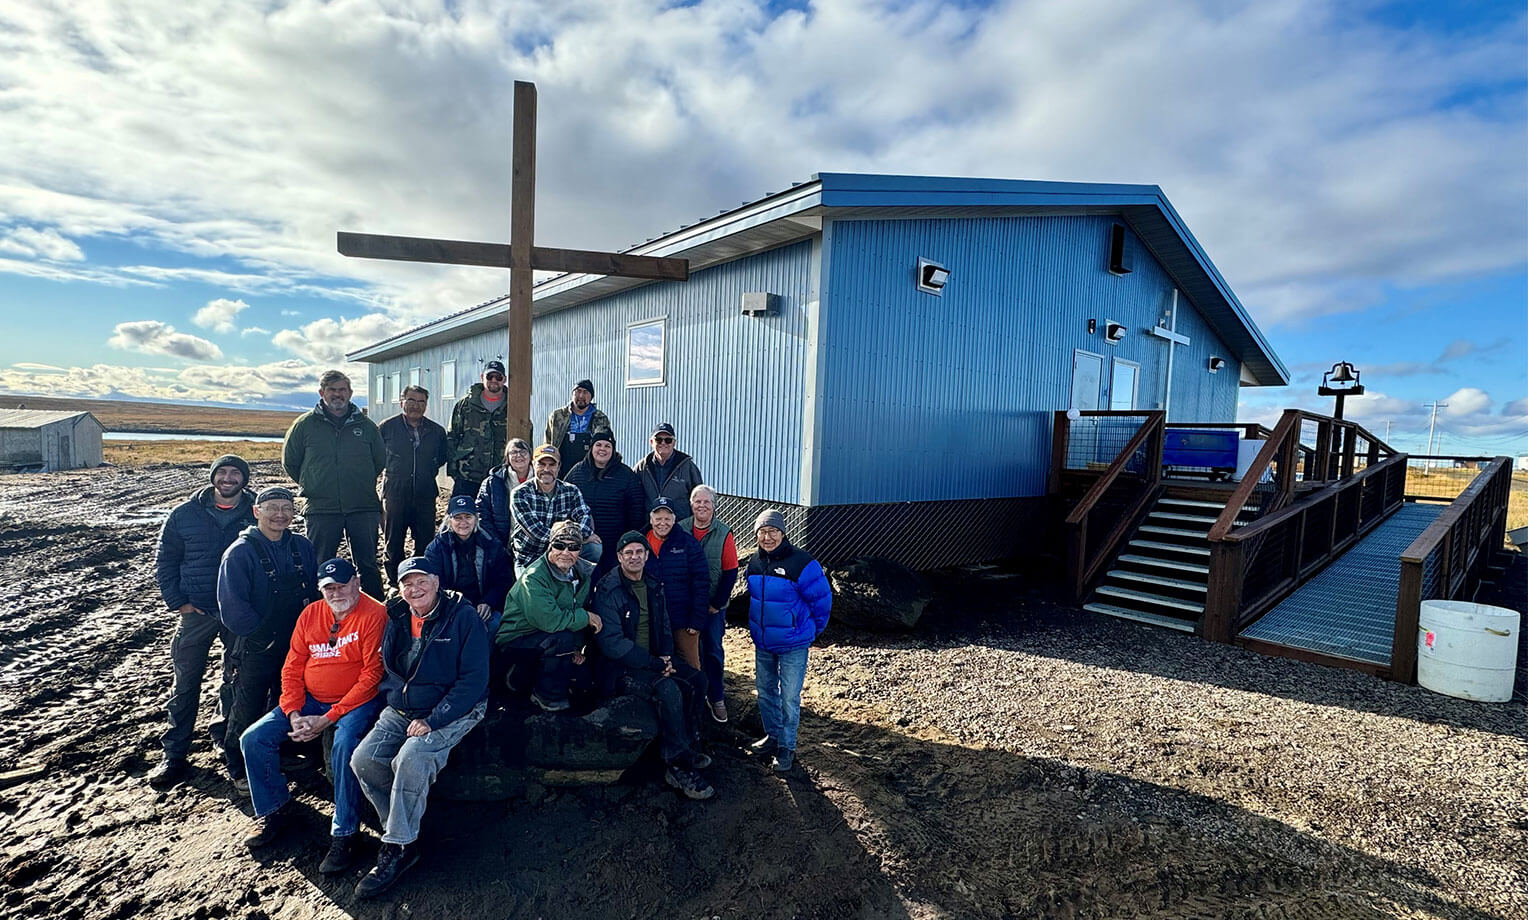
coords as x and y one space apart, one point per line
1010 759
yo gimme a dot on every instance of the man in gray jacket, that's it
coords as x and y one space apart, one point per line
668 472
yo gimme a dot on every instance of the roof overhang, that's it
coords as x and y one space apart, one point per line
798 213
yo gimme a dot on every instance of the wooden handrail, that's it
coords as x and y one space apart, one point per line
1428 539
1154 420
1244 489
1269 521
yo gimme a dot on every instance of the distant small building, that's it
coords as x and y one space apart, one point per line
1521 465
37 440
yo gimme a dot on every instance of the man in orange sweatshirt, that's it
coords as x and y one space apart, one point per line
329 680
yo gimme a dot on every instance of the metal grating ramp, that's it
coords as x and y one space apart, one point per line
1348 609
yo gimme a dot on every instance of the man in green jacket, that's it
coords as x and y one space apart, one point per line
479 428
335 454
544 615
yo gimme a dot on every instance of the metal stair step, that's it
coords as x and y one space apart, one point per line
1146 579
1171 547
1141 597
1140 616
1174 516
1173 531
1172 564
1192 503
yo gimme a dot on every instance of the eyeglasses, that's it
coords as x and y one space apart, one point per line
413 402
663 439
567 547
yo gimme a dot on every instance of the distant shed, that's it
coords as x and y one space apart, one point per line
35 439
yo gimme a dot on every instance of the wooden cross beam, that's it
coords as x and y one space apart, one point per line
520 256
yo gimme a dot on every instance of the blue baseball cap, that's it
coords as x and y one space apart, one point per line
661 503
461 504
335 572
416 564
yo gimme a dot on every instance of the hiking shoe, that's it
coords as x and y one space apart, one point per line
269 828
341 855
549 705
241 784
765 745
170 771
784 759
392 861
719 711
699 760
692 784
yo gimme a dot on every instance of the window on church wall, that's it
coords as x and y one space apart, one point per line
394 388
447 386
646 355
416 376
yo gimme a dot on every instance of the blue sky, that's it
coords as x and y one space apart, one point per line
175 171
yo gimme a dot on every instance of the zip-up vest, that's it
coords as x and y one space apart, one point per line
714 543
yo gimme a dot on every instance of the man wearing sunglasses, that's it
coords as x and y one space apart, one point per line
544 615
479 428
668 473
329 680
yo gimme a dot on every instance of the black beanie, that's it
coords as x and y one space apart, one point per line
232 460
585 385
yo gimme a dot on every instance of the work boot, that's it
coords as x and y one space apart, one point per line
341 855
784 759
170 771
549 705
765 746
698 759
719 711
240 784
692 784
270 827
392 861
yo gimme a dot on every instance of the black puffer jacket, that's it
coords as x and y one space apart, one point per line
191 545
614 496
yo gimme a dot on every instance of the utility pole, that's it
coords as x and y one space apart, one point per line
1431 426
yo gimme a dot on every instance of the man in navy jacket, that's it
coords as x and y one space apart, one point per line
436 654
191 544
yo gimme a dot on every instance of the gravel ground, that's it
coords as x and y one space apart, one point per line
1012 758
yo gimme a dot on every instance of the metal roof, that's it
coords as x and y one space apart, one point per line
798 212
36 418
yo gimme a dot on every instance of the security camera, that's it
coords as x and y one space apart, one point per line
1216 363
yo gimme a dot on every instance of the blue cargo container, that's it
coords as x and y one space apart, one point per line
879 355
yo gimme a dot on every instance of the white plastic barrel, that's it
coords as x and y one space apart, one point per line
1467 650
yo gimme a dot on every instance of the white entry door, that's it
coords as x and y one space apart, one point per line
1123 384
1087 381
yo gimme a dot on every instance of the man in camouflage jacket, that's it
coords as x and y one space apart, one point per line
479 428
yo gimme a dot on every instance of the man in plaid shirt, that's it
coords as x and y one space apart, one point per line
540 502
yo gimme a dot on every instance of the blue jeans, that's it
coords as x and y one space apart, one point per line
396 771
711 656
778 679
261 745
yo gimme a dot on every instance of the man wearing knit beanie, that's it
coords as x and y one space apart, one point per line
568 427
191 544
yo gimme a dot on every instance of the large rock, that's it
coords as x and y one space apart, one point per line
878 595
516 747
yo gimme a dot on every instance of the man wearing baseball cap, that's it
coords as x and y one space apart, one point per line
333 666
667 472
479 427
435 653
568 427
541 501
191 545
266 579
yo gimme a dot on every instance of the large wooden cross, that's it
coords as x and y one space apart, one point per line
521 256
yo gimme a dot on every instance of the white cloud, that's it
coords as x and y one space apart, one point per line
155 338
326 341
291 382
1468 401
40 244
44 368
254 330
218 315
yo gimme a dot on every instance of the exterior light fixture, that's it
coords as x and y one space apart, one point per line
1340 382
1216 363
1114 333
932 277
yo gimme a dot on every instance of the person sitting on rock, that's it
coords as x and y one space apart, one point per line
471 562
789 599
329 681
265 580
435 653
544 616
636 641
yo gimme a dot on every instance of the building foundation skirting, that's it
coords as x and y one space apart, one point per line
919 535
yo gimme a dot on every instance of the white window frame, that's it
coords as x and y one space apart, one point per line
662 379
378 396
447 385
395 385
416 377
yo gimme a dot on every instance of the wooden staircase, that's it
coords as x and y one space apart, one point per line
1162 575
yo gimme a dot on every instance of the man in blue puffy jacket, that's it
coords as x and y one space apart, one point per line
789 599
191 544
680 563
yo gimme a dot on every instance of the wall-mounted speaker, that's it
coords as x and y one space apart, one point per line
1121 262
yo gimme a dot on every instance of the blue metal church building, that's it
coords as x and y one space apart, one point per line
880 356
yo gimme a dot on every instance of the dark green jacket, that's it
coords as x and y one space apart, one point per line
542 602
475 440
335 461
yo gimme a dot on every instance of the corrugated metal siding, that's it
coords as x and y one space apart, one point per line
734 382
949 397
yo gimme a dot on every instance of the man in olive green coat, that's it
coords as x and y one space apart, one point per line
479 428
544 615
335 454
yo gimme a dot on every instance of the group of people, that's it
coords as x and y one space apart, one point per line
558 571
